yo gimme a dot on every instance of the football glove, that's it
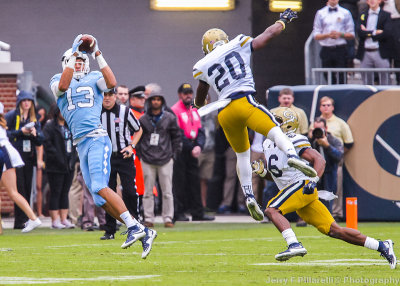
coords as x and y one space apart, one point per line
288 15
258 168
308 189
96 48
76 44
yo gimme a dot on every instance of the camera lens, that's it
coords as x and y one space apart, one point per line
318 133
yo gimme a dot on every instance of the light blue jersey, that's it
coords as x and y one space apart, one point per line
81 104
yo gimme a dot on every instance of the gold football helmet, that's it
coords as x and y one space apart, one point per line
212 39
287 118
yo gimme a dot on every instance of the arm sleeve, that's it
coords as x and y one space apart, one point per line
201 138
335 150
349 24
317 27
133 123
38 140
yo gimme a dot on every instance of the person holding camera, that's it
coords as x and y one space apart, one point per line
25 134
331 150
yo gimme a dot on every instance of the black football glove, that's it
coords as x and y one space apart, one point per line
308 189
287 16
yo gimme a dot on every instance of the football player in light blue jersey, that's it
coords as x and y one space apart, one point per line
79 95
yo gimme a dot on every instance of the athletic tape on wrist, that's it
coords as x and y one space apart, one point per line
71 62
101 61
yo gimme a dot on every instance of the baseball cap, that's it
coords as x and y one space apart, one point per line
138 91
185 88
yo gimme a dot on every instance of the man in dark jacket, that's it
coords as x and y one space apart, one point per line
375 47
332 151
160 143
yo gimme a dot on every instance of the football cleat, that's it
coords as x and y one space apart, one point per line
254 208
295 162
295 249
147 241
31 224
134 234
388 253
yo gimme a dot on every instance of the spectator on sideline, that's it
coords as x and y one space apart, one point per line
11 159
333 25
286 99
331 149
186 180
159 146
152 88
341 130
60 162
207 155
41 177
375 48
122 95
25 135
393 7
121 124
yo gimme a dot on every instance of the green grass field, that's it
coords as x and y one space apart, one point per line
194 254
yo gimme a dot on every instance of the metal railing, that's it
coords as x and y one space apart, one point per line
370 76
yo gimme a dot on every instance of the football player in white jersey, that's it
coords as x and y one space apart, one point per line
298 193
79 95
226 67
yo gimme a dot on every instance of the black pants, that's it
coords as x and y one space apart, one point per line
334 57
24 185
127 172
396 39
59 188
186 185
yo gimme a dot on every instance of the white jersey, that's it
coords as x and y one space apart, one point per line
13 158
281 172
227 68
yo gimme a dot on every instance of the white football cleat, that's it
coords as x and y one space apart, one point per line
295 249
254 208
297 163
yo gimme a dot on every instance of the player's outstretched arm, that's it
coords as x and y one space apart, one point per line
274 30
68 72
105 69
201 94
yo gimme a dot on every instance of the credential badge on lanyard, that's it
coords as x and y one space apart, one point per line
154 138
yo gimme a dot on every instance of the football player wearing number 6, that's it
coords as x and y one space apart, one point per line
79 95
226 67
298 193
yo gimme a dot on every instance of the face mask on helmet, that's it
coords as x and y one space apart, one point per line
287 119
80 70
212 39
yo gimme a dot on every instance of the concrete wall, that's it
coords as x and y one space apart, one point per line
140 45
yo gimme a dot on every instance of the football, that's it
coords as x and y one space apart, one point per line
88 44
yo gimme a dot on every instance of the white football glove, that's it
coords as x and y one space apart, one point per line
258 168
96 48
76 44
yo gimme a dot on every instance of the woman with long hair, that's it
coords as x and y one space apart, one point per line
26 136
60 166
10 159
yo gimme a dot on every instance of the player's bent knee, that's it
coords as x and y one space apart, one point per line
98 200
335 230
270 211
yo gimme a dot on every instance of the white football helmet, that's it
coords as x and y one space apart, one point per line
85 69
212 39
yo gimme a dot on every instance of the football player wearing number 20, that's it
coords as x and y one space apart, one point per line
298 193
226 67
79 95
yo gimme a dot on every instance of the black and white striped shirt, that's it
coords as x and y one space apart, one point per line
120 123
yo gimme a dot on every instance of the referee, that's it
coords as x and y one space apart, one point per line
121 123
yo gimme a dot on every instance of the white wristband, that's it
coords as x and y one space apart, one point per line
71 62
314 179
101 61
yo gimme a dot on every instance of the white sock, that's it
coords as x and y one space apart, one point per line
289 236
243 169
129 220
281 140
371 243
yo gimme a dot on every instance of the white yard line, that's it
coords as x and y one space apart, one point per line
328 263
32 280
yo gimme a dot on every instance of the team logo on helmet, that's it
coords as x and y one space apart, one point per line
212 39
287 119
